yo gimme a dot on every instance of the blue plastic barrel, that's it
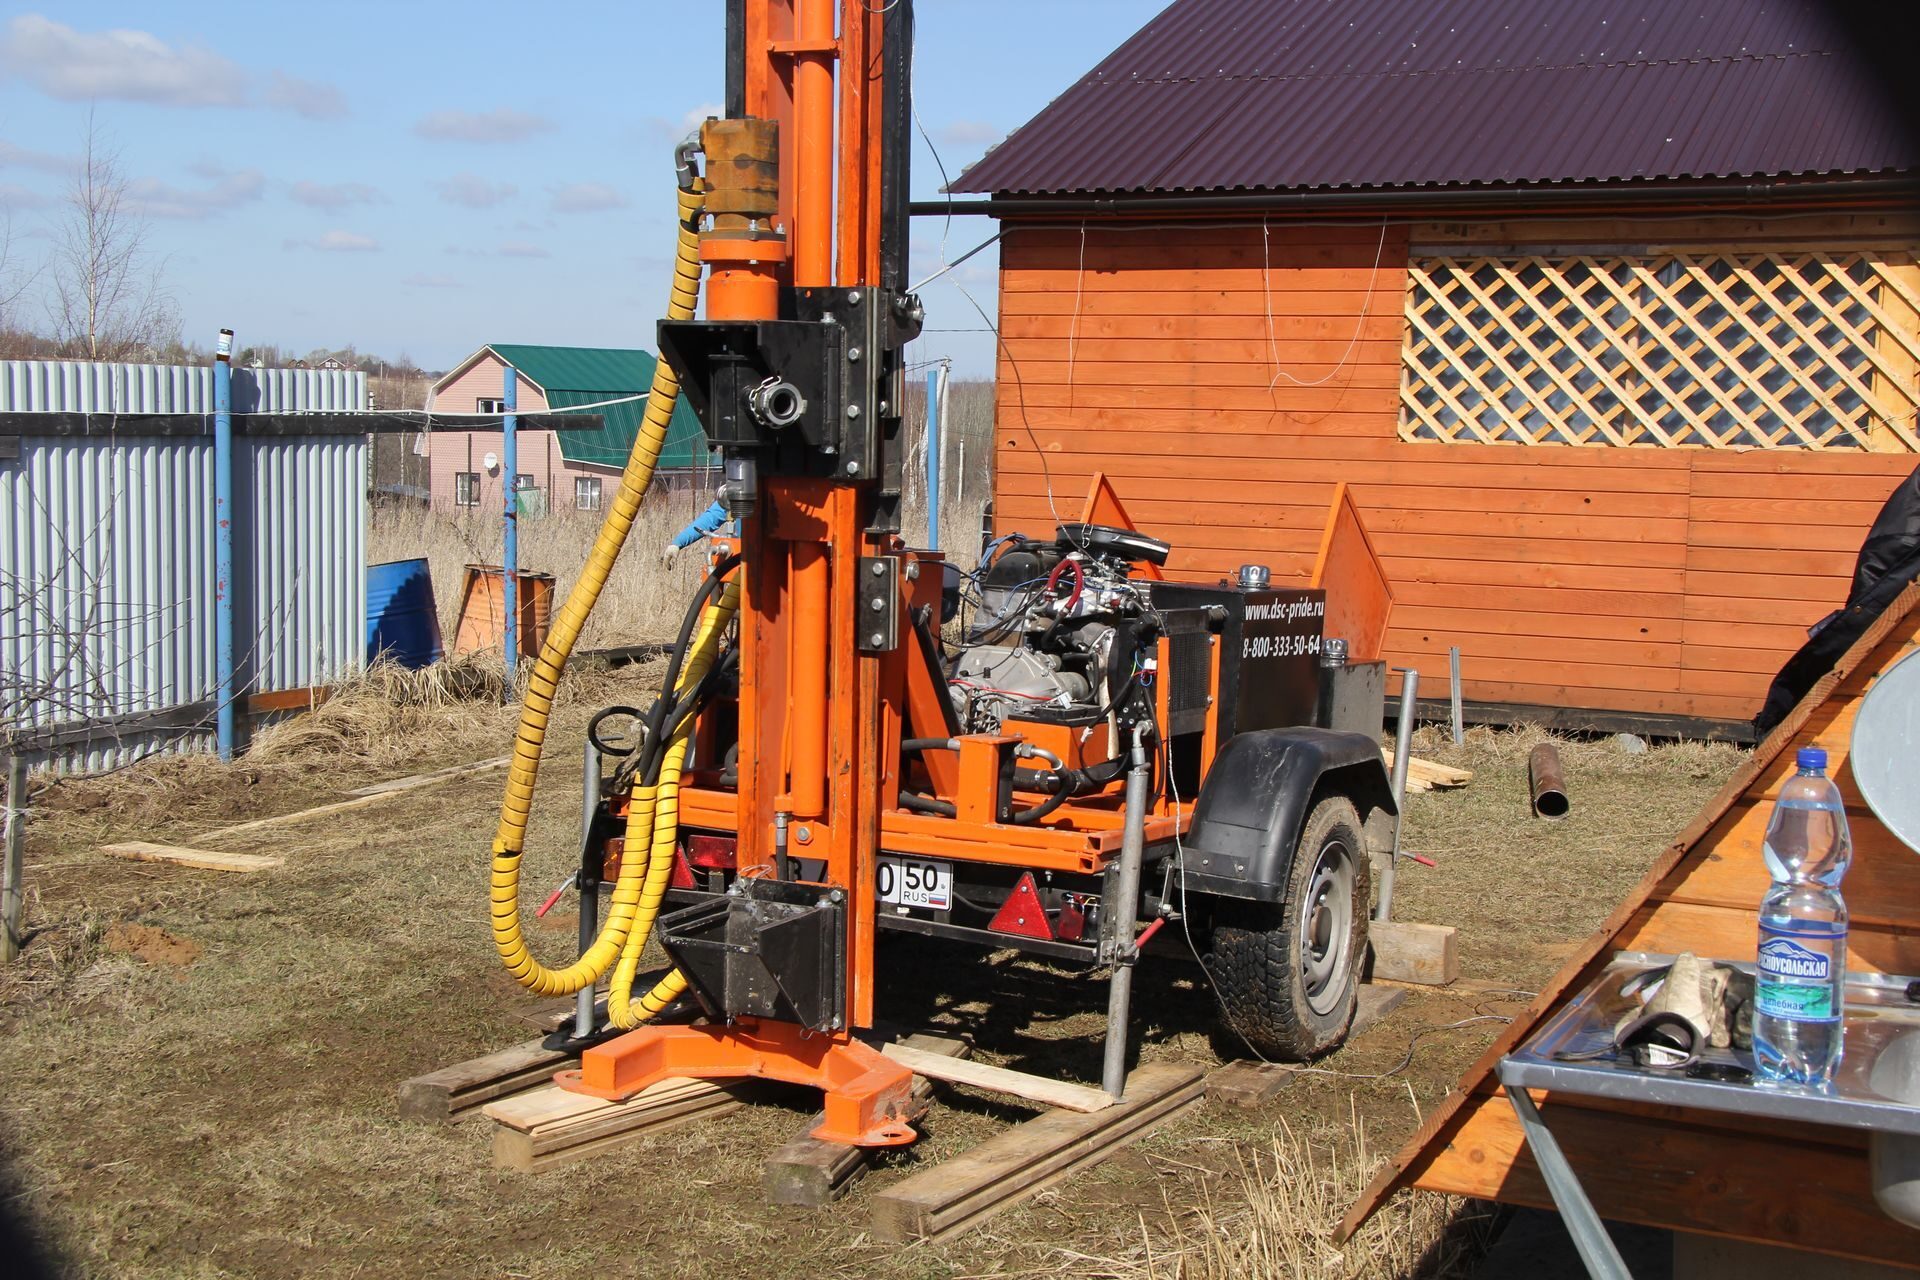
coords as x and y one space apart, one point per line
401 620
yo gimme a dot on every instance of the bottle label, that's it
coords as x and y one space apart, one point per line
1794 981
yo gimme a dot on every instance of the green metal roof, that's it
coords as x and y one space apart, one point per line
573 376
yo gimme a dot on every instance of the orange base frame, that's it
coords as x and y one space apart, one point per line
868 1095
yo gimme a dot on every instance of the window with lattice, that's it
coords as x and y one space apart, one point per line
1723 350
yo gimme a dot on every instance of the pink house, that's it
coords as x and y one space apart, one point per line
569 468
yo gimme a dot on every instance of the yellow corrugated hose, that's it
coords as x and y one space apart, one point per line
664 826
511 835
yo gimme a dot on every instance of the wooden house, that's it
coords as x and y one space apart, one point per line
572 468
1608 311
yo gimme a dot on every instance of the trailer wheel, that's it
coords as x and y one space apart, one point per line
1288 973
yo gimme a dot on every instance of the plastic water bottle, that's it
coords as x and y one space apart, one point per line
1807 837
1798 1032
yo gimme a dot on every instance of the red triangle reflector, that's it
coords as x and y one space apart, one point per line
1021 913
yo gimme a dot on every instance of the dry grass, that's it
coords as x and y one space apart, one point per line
1271 1216
643 598
1545 876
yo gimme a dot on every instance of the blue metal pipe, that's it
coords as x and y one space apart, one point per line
510 463
707 522
223 585
936 383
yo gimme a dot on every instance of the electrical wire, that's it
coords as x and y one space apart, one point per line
1020 382
1359 327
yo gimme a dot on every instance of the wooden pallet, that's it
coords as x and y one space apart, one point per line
1014 1165
454 1092
810 1172
551 1126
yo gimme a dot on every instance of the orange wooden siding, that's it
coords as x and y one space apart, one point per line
1226 387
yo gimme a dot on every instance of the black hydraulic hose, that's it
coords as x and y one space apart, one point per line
692 620
647 766
917 803
1027 817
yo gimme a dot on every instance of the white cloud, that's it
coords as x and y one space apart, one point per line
520 249
420 281
969 133
224 190
132 66
307 98
661 129
471 191
336 242
336 195
26 158
503 124
587 197
14 196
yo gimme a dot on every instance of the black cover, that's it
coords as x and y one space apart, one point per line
1257 794
1889 560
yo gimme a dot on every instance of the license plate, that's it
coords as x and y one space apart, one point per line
914 882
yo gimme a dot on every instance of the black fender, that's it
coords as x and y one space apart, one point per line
1258 794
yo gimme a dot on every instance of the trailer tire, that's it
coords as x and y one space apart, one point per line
1288 973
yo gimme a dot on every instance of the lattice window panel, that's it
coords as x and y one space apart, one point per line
1717 349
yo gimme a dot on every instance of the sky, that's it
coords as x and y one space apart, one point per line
424 177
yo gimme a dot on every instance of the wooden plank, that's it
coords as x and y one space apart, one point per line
451 1093
525 1141
1012 1166
809 1172
1407 951
374 795
287 700
429 779
204 859
1442 775
983 1075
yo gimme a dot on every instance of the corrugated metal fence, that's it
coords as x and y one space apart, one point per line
106 554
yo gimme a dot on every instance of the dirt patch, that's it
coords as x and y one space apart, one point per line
153 944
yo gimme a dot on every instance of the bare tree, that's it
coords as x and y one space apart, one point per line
105 296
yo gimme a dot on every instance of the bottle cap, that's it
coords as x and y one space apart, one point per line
1811 758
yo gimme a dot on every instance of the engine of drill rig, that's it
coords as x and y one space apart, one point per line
1063 637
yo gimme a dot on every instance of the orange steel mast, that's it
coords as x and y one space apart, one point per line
809 767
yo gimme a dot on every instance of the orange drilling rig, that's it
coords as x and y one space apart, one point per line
1095 752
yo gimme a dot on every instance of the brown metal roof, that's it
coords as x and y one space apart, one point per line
1293 94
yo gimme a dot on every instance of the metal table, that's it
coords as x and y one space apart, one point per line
1866 1094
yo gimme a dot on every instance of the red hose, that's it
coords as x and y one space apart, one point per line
1079 582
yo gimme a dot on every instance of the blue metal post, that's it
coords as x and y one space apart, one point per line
936 385
223 585
511 464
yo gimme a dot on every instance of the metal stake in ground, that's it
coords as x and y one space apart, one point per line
1402 757
1453 675
1121 913
10 888
510 550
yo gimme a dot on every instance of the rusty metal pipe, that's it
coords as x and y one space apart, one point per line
807 681
1549 783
